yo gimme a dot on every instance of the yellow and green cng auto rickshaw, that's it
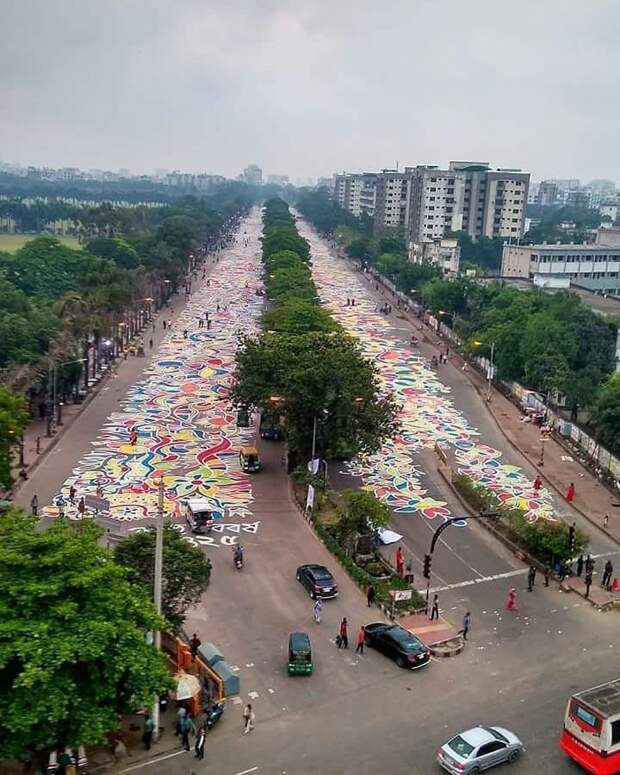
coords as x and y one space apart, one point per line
249 460
299 654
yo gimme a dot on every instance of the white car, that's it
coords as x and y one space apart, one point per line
480 748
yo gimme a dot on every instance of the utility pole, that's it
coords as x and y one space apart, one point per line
159 558
313 440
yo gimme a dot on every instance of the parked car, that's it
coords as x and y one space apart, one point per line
398 644
479 749
317 580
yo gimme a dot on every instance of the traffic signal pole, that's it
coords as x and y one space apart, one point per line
428 558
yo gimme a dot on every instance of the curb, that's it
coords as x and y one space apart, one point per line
440 649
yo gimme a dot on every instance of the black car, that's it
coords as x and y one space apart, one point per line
317 580
269 429
397 643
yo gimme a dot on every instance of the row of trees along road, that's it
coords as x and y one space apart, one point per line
551 343
304 368
74 655
59 305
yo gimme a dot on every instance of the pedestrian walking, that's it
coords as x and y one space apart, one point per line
147 731
151 343
435 608
194 645
82 507
537 483
361 634
344 634
589 564
606 520
249 719
546 576
318 607
466 624
181 713
588 582
163 322
187 728
370 595
61 503
72 494
133 437
34 505
607 574
184 333
531 578
99 491
208 325
511 600
580 565
400 561
201 736
570 493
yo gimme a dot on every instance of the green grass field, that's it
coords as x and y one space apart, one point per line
9 243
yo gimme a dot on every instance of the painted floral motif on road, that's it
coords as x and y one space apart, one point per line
428 416
186 429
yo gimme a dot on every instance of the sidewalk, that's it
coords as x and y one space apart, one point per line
592 499
124 370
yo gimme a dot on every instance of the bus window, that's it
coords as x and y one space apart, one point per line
584 715
615 732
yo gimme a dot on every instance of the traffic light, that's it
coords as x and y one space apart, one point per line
571 538
427 566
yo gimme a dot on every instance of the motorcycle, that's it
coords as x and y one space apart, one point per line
214 714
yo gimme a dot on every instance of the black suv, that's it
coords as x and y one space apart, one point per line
317 580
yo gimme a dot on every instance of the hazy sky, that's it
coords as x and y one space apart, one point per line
308 87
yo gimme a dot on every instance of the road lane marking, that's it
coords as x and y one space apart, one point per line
246 772
472 582
155 761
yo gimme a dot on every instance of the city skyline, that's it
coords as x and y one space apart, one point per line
309 91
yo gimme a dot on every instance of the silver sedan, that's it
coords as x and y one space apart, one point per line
479 749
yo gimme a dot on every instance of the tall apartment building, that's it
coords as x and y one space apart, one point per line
435 203
356 193
547 193
426 202
253 175
391 200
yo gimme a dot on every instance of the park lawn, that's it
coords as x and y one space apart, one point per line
10 243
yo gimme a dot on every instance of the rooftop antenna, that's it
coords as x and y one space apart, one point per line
396 165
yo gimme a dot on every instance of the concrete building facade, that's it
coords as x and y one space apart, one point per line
443 252
435 202
595 267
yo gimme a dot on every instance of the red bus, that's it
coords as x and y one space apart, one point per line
591 734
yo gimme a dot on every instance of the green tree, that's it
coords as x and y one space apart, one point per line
316 375
185 575
363 511
73 649
606 414
299 317
13 421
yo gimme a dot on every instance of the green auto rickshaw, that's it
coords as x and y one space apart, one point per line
299 654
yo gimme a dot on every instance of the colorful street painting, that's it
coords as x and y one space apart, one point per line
186 429
428 415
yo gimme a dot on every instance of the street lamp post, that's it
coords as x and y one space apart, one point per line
490 372
55 413
157 585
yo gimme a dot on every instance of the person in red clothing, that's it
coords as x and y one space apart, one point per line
511 601
400 561
360 640
570 493
537 483
344 634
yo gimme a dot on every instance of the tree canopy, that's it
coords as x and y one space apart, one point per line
185 572
73 649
